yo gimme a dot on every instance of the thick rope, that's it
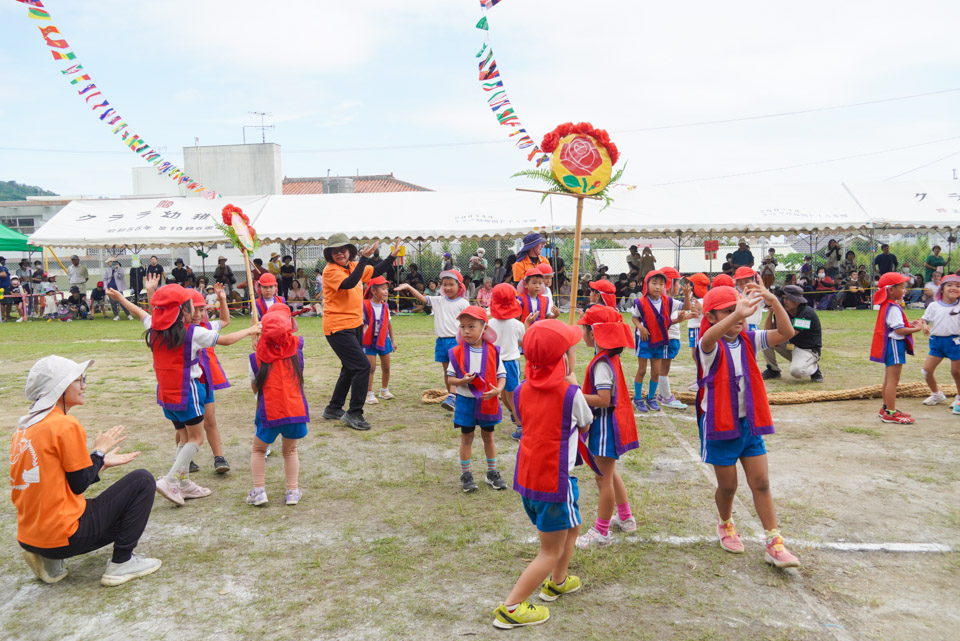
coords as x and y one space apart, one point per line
904 390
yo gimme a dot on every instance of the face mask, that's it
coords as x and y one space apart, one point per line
821 274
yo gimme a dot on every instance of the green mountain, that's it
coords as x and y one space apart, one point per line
12 190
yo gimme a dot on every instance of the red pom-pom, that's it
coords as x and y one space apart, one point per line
613 151
550 142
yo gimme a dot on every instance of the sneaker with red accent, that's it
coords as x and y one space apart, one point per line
729 539
779 555
897 417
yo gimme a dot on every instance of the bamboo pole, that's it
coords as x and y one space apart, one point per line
575 282
250 293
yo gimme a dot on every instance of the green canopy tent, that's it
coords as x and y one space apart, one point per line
12 240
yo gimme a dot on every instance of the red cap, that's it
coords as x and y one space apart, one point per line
888 280
99 283
276 339
720 297
603 286
609 330
474 311
545 269
379 280
670 272
544 345
744 272
723 280
268 279
504 303
533 271
701 283
657 272
166 306
197 298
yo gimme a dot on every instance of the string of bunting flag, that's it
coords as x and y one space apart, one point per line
492 82
79 77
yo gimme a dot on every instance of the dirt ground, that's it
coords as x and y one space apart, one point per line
384 544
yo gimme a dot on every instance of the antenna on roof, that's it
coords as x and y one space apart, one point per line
263 128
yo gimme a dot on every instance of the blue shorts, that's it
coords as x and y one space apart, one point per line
270 434
554 517
945 347
645 351
197 395
463 414
372 351
673 348
513 374
442 348
896 353
693 335
208 397
601 439
729 451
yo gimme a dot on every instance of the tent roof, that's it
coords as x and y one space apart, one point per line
12 240
715 209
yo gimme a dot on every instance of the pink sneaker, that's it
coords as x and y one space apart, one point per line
191 490
169 491
729 539
780 556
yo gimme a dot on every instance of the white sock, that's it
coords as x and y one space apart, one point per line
184 456
664 386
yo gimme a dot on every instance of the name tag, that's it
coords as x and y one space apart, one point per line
801 323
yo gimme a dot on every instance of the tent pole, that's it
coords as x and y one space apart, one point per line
679 243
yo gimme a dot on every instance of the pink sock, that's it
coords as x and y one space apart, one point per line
623 512
603 527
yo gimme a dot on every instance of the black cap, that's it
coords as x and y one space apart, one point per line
74 290
794 293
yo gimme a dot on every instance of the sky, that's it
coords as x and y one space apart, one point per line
380 86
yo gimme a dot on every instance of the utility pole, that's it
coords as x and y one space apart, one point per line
263 128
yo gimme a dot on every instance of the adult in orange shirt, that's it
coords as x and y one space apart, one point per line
50 469
529 256
343 279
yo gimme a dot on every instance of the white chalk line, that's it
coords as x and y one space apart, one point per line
839 546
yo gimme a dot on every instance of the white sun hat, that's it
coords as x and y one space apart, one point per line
47 380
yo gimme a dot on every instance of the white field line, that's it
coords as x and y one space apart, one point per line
681 541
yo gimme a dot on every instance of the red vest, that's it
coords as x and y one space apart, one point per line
620 411
542 468
722 419
488 410
656 322
282 401
262 306
212 370
172 368
881 332
526 307
380 338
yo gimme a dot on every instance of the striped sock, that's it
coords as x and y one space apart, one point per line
637 390
623 512
652 392
492 464
464 466
602 526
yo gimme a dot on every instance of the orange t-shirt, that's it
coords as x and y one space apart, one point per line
48 512
521 266
342 308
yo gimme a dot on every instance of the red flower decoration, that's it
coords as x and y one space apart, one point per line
552 139
580 156
229 211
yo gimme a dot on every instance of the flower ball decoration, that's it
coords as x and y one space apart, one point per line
581 162
236 226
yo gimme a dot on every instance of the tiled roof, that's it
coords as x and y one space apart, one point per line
374 184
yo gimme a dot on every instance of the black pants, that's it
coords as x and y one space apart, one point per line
347 344
119 516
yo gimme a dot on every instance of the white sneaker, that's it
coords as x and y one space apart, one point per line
190 490
20 320
118 573
630 525
116 318
593 539
385 394
47 570
372 398
129 317
169 491
935 399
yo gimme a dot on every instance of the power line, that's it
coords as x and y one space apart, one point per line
471 143
806 164
910 171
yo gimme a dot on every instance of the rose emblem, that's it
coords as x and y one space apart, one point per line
580 156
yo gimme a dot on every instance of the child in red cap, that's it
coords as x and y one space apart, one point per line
665 396
378 338
276 377
504 308
732 409
602 292
176 345
613 432
531 297
941 321
743 276
478 374
268 293
554 414
446 307
700 285
892 341
547 272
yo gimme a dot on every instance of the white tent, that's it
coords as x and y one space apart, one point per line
715 209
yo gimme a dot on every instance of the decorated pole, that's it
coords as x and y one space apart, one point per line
581 166
236 227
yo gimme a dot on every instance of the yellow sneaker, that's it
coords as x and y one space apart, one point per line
551 591
525 614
